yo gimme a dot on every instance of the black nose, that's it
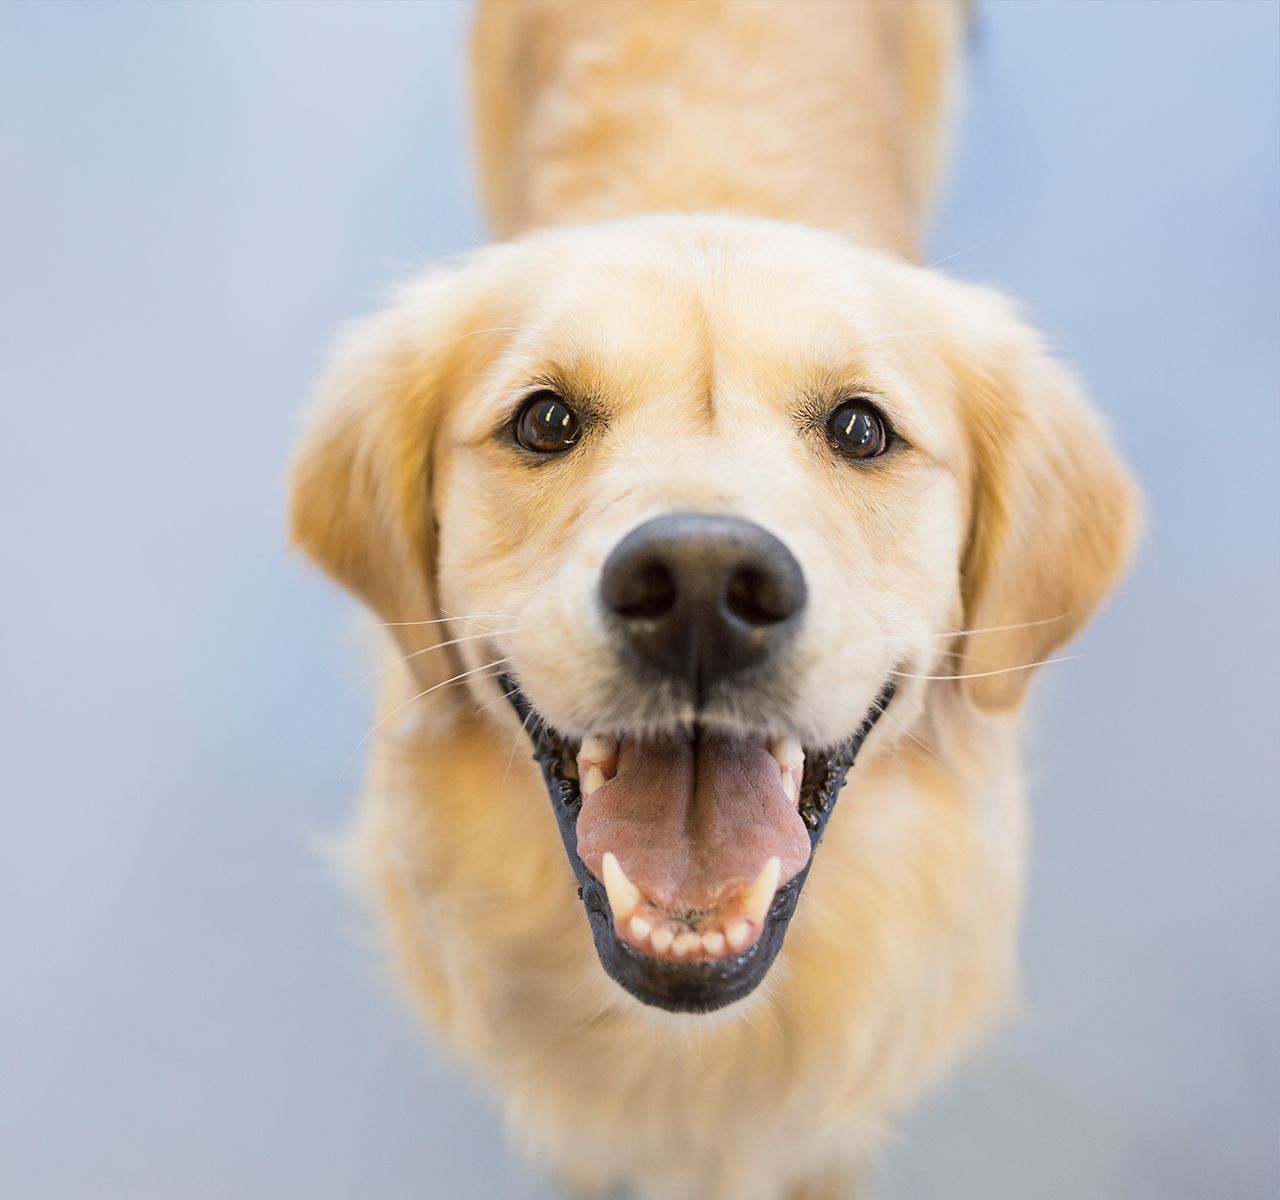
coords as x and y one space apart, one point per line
702 597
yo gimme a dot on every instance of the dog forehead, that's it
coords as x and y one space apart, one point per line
623 282
658 299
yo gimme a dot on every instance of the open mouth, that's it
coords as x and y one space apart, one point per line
691 848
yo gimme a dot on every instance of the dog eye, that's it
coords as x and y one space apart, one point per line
546 424
858 430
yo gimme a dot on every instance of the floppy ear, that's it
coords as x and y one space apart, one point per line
360 505
1054 513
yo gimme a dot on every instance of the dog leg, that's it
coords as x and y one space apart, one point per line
835 1183
583 1185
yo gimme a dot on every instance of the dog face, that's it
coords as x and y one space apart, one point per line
707 494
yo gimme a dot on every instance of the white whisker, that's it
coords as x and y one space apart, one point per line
949 257
471 620
950 633
511 758
411 700
928 749
491 703
471 637
1004 628
434 621
477 332
478 677
1046 662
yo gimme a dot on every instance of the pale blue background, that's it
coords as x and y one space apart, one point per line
193 197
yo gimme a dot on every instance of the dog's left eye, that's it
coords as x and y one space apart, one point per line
858 430
546 424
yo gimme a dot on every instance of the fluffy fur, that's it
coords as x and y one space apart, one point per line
787 152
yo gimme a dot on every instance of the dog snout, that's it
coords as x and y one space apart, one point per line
701 597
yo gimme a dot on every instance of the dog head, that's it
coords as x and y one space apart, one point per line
705 494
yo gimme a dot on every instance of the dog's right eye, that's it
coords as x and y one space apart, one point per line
546 424
857 430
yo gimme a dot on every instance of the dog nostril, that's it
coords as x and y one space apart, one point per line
759 597
648 590
699 597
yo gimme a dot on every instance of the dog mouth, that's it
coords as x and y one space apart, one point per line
691 847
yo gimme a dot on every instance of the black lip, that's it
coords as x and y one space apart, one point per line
697 987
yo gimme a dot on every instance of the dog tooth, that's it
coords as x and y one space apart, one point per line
594 779
713 942
685 943
788 751
790 788
662 939
736 933
623 894
640 929
757 898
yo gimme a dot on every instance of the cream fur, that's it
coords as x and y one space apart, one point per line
699 331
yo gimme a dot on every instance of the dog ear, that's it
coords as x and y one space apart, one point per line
1054 513
360 503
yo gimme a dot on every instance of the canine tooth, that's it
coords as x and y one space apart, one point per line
736 933
594 779
685 943
597 749
640 929
757 898
623 894
713 942
662 939
788 751
790 788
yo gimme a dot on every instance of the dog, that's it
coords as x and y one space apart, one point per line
705 525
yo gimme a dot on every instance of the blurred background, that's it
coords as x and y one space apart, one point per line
194 197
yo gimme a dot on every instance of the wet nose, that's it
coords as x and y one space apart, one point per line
701 597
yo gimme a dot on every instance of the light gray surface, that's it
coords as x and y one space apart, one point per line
193 198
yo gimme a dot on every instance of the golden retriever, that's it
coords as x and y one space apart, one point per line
672 505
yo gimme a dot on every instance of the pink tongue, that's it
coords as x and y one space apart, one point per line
691 824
